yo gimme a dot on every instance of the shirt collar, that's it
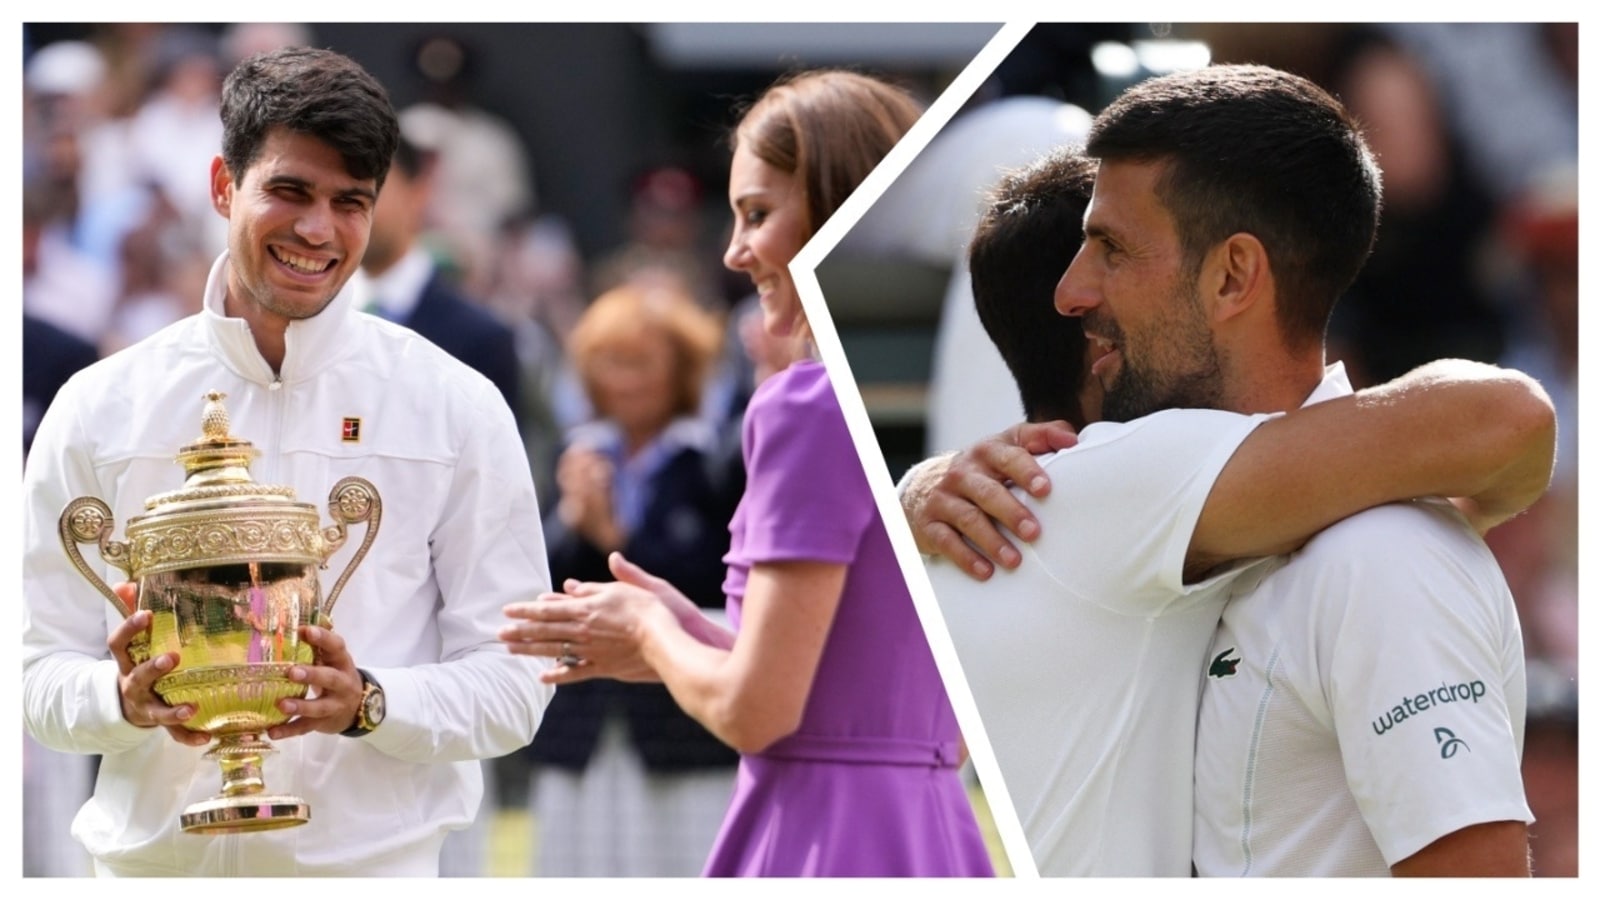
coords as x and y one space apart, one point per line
1335 383
309 345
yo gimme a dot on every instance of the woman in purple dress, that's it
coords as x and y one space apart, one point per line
826 686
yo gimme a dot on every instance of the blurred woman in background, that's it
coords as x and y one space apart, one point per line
624 783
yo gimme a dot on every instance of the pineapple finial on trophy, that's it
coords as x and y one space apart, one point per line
214 425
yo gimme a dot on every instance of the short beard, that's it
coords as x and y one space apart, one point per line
1139 391
1139 394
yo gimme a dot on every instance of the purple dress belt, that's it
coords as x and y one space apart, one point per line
869 750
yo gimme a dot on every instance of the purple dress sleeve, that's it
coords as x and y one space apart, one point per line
806 497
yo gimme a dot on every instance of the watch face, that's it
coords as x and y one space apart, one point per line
372 708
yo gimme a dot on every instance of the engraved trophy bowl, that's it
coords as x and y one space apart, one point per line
228 570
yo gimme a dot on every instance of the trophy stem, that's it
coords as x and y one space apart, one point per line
240 756
243 804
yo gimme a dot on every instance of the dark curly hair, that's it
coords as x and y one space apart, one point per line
314 92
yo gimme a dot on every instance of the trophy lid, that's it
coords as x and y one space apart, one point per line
217 464
220 517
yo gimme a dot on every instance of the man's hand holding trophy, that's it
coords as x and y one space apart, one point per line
226 635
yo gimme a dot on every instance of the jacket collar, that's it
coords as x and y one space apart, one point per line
309 346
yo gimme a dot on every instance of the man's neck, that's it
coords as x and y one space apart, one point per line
1276 384
266 329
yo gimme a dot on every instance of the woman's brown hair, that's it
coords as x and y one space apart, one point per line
829 127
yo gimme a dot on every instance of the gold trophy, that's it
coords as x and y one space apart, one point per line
228 569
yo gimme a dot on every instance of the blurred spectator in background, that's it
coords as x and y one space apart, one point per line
242 40
666 246
538 290
163 268
120 256
404 284
485 178
178 128
1422 295
61 284
1509 90
109 178
1539 550
540 276
624 782
62 90
666 232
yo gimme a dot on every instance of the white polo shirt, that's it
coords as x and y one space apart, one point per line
1082 661
1365 699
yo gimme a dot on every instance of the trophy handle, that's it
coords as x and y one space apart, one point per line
351 500
85 520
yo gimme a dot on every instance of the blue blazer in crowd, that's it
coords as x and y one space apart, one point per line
471 334
682 537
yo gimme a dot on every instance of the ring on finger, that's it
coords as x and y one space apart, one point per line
567 657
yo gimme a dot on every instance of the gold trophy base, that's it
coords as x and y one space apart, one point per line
244 804
259 812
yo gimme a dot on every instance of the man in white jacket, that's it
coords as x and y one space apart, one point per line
323 391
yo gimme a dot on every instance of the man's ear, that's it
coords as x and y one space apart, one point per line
221 187
1235 276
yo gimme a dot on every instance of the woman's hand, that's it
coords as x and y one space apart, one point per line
594 630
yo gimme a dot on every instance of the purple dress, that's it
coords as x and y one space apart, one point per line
868 785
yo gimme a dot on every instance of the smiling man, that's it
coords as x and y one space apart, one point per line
1230 207
413 687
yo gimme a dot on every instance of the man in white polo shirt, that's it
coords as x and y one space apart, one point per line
1182 296
1363 710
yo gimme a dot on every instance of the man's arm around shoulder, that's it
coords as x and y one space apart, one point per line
1452 428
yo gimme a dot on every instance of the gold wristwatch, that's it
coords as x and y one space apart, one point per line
369 715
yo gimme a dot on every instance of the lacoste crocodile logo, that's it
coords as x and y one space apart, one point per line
1222 668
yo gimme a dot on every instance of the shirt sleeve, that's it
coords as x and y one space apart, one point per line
1420 660
70 696
479 701
1123 505
806 496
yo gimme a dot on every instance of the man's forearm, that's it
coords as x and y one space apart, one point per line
1452 429
1522 431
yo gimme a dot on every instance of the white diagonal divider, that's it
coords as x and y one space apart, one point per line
803 271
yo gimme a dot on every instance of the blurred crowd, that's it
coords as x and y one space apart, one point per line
1475 127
